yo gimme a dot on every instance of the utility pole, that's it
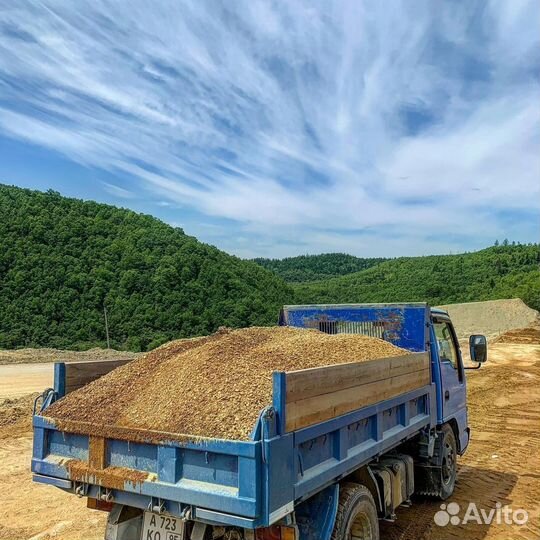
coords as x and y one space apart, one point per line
107 327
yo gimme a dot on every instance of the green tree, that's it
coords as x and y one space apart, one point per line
504 271
62 260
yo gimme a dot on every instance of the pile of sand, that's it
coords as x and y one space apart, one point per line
492 318
16 415
523 336
213 386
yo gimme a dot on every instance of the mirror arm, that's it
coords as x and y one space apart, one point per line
473 367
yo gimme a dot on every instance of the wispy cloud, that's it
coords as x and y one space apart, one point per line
117 191
293 119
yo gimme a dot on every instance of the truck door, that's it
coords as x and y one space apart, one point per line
454 394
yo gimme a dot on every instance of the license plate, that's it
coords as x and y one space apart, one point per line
162 527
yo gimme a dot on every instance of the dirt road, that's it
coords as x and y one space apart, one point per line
22 379
502 463
502 466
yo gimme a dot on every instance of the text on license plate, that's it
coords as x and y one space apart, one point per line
162 527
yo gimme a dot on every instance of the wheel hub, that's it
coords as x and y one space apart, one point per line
361 528
448 464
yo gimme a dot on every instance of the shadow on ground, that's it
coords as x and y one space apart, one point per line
483 487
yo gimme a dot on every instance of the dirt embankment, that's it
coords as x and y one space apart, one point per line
32 356
16 415
45 355
521 335
492 318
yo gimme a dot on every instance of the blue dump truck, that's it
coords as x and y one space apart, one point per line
339 448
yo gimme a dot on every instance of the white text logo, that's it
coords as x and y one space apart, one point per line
449 514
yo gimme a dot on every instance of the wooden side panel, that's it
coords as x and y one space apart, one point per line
320 394
80 373
313 382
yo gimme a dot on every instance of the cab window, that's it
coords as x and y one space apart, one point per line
445 343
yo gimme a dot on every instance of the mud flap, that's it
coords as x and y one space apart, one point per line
124 523
427 479
428 474
316 517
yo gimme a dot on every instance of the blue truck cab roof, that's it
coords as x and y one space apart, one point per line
434 310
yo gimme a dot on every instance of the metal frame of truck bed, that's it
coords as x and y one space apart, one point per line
248 484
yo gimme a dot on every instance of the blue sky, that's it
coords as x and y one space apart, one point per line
283 128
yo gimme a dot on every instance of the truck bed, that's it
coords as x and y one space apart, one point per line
323 424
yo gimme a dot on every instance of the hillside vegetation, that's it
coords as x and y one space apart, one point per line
317 267
508 271
62 260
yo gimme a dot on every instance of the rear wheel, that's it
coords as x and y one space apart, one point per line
357 515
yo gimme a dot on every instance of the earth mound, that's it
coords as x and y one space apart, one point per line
212 386
492 318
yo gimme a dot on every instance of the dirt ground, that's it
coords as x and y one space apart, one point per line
29 378
29 510
521 335
32 356
502 464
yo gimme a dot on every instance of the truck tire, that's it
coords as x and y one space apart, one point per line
356 517
437 477
448 456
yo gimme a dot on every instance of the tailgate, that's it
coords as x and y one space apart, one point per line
207 477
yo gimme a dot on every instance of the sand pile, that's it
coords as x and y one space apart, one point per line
16 416
213 386
524 336
492 317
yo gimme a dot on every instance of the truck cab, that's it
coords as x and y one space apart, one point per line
449 375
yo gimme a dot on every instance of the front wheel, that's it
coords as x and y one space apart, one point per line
356 517
448 451
437 476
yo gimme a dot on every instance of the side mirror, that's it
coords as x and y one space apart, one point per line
478 348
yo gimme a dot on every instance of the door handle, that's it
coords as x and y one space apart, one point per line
447 395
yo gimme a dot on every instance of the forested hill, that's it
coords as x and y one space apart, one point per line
62 260
507 271
317 267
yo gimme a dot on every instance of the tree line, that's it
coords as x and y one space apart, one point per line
317 267
62 261
501 271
